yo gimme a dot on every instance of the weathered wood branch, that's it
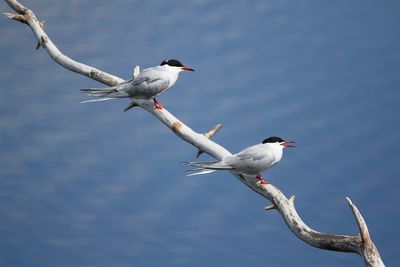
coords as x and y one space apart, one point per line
370 252
210 133
26 16
361 244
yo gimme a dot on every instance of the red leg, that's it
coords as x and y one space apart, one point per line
158 105
261 180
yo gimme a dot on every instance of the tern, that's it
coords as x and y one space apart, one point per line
252 160
147 84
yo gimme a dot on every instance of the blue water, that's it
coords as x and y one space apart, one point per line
90 185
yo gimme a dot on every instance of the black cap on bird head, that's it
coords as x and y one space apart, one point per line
172 62
276 139
175 63
273 139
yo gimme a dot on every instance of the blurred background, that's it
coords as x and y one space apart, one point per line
91 185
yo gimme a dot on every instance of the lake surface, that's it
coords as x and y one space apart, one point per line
91 185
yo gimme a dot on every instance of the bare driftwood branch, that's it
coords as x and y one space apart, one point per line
370 252
361 244
26 16
210 133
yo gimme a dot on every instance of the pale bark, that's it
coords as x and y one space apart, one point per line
360 244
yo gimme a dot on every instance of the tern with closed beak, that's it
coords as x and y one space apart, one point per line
252 160
148 84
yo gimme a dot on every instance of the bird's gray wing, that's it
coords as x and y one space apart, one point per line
251 160
147 84
139 80
240 159
252 153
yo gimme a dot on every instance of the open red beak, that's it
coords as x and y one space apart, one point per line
288 144
187 68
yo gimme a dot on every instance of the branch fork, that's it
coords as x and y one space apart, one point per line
210 133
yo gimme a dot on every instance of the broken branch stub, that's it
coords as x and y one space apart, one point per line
18 17
369 251
210 133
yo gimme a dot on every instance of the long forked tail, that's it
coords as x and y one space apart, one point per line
97 100
105 93
101 92
205 167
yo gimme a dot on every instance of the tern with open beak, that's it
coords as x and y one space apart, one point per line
252 160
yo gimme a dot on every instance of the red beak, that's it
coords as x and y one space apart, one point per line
187 68
288 144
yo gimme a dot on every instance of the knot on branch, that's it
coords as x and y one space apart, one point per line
97 75
176 126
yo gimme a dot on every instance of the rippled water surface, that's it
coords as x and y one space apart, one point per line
91 185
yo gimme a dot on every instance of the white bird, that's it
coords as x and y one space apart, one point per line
147 84
252 160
